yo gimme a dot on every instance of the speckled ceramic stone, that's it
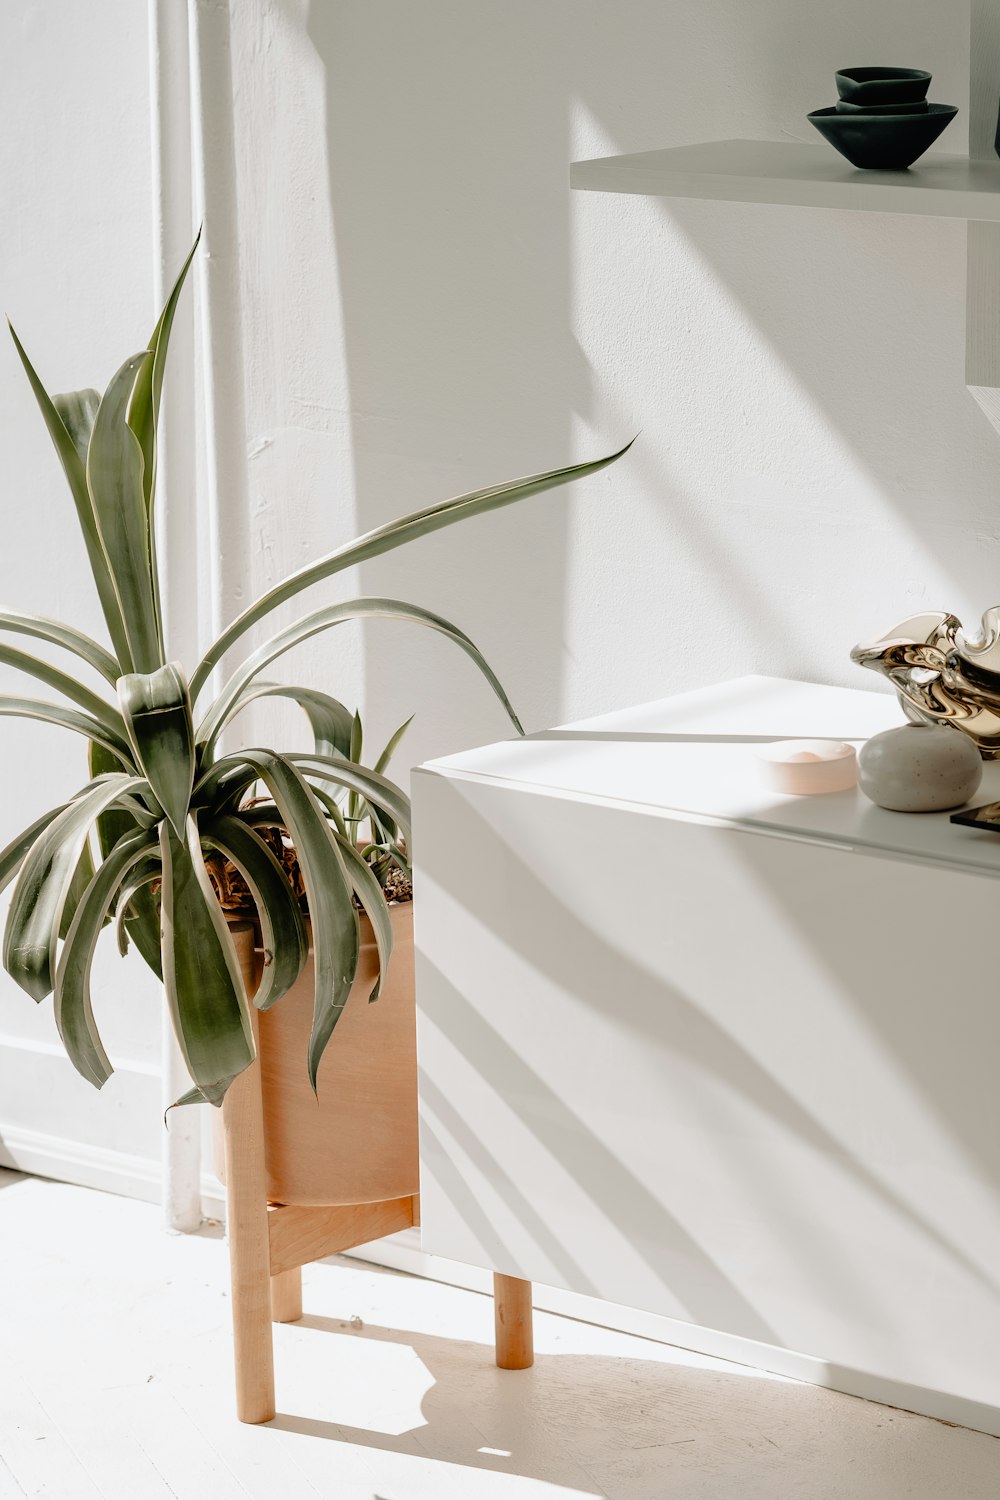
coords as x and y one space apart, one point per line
919 768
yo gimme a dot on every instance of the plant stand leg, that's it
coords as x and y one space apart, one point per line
286 1296
249 1254
512 1314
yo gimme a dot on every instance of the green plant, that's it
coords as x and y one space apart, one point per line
163 795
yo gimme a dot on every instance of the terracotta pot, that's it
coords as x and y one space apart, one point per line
357 1141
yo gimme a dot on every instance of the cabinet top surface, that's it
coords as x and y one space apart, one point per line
694 756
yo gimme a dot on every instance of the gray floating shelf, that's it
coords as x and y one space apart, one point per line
787 172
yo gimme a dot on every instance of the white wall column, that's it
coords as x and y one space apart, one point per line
982 336
220 326
202 513
176 528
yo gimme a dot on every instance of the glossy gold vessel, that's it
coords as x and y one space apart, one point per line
942 675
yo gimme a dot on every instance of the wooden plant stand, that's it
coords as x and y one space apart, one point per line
269 1244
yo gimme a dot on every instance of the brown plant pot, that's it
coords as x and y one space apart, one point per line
355 1141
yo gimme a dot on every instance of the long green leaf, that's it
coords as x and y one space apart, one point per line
330 720
331 907
229 779
384 539
33 922
222 787
325 619
263 814
201 972
283 933
266 815
370 894
392 745
144 402
77 693
383 829
382 825
373 787
82 876
62 635
192 1096
68 718
111 826
143 418
157 712
74 468
115 481
142 922
12 858
354 802
78 410
131 889
73 1009
330 806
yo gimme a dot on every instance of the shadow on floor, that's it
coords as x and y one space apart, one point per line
604 1425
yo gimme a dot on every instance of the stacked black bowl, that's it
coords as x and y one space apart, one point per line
882 120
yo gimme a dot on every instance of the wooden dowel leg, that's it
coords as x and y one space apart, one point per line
286 1296
249 1252
512 1315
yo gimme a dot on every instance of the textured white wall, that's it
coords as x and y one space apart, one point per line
76 278
430 309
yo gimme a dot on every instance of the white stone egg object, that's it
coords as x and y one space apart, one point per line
920 768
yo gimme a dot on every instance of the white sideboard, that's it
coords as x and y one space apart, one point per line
693 1047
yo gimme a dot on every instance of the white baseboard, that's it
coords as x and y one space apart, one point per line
81 1163
101 1167
55 1124
402 1252
213 1197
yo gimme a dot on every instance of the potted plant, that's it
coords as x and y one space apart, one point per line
170 824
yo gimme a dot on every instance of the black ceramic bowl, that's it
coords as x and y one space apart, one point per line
882 85
914 107
886 143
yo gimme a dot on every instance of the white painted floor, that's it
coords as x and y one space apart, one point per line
115 1381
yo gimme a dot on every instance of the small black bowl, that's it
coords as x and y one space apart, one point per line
885 143
882 85
913 107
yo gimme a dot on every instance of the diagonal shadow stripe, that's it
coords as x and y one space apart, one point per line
458 1128
554 930
676 1258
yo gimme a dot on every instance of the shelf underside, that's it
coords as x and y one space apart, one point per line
787 172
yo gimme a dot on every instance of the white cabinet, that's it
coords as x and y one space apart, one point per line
729 1057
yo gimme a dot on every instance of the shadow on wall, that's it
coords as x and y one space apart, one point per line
549 931
449 132
453 266
946 1051
809 1105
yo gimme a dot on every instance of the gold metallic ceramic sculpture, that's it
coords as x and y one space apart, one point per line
943 677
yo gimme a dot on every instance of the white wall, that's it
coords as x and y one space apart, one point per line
428 308
76 279
810 466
